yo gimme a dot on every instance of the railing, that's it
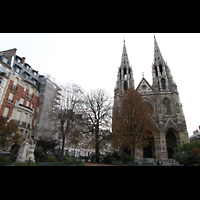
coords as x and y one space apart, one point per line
23 124
16 121
9 100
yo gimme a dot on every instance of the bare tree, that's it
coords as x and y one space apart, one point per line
66 112
97 117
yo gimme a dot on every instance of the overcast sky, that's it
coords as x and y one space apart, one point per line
92 60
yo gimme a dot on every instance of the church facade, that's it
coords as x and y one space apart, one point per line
163 98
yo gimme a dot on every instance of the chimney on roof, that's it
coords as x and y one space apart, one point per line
23 60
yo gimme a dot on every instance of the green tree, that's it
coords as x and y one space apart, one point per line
188 154
8 134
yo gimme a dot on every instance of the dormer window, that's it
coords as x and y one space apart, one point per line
27 67
34 73
18 60
27 76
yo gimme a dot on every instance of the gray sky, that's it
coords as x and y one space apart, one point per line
92 60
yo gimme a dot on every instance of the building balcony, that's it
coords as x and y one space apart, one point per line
18 105
9 101
23 124
16 121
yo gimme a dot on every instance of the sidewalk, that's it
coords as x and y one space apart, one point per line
102 164
99 164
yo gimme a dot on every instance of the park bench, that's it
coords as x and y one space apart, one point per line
147 164
58 164
174 164
44 164
116 162
132 163
69 164
79 163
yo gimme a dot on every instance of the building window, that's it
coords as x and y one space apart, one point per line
18 70
18 115
18 60
166 103
34 73
27 67
125 85
27 103
163 83
26 76
16 81
6 110
149 105
31 90
10 98
25 87
161 69
156 70
2 81
21 101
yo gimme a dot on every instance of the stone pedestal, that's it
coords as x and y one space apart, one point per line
26 150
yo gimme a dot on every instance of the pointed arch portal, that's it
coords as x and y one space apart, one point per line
149 152
171 143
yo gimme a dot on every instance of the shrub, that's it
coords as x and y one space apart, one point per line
4 160
188 154
38 153
126 157
182 158
51 158
68 159
108 159
116 156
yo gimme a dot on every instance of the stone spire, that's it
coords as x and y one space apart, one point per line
124 59
157 53
161 75
125 74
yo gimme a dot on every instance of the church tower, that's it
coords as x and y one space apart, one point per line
125 74
161 75
163 99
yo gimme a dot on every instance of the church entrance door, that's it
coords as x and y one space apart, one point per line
149 152
171 143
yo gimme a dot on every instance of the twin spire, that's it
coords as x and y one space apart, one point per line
157 54
159 71
124 60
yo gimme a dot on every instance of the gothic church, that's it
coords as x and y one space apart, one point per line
163 98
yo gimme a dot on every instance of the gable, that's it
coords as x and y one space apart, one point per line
144 87
170 124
